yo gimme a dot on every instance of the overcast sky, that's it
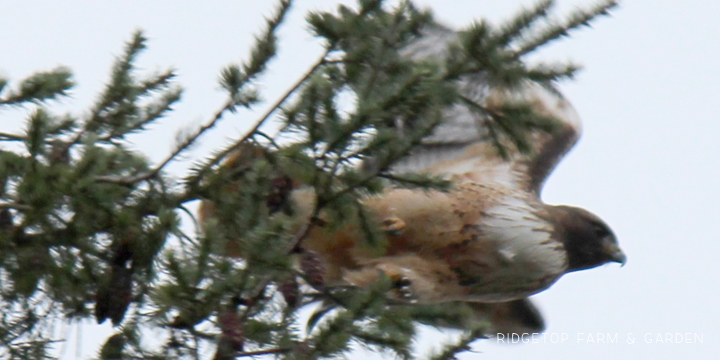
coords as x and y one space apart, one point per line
647 162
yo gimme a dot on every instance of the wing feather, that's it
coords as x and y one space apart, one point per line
461 146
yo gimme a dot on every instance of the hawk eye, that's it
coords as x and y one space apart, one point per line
600 230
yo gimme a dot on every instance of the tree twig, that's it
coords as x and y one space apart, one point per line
11 137
262 352
269 112
15 206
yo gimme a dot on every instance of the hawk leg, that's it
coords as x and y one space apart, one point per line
416 279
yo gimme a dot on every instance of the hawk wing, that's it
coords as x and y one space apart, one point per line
452 151
462 145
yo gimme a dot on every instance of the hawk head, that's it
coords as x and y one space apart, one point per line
589 242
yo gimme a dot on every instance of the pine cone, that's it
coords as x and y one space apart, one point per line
6 219
224 349
122 251
113 347
113 300
232 329
312 265
59 153
281 188
290 292
302 350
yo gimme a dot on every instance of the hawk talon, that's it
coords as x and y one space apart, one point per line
403 283
403 289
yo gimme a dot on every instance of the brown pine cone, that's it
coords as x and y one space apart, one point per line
281 187
232 329
290 292
312 265
113 299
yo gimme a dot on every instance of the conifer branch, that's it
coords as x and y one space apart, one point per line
555 31
451 351
258 124
263 352
40 87
320 62
151 113
15 206
11 137
522 22
263 50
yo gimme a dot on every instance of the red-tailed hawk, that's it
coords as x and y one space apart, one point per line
490 240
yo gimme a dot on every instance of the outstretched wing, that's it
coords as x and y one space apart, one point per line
462 145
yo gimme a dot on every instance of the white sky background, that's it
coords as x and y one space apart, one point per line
647 162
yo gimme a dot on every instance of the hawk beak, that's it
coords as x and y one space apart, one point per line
612 249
